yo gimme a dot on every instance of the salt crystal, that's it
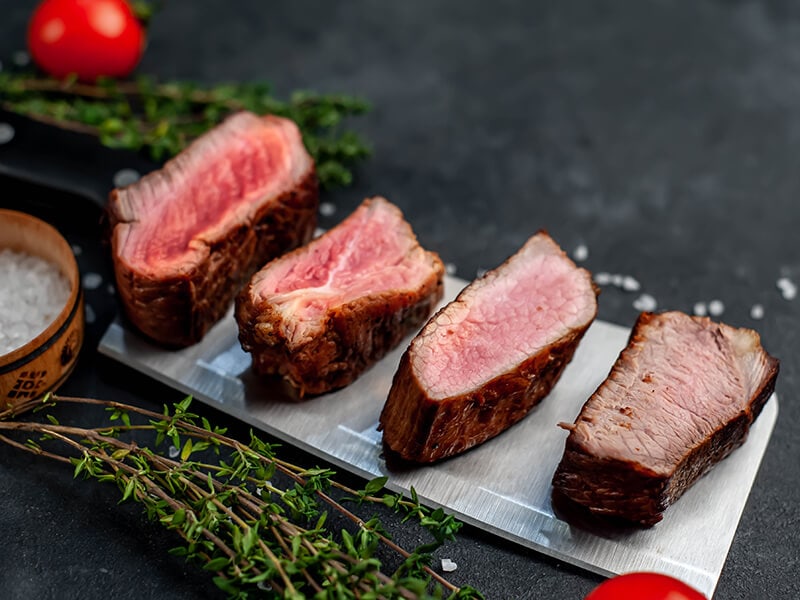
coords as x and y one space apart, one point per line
629 284
110 289
21 58
617 280
327 209
32 294
318 232
125 177
716 308
173 452
787 287
480 273
92 281
448 566
77 250
645 303
700 309
450 269
581 253
6 133
757 311
91 317
602 278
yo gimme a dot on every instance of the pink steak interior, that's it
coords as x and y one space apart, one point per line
499 321
170 216
372 251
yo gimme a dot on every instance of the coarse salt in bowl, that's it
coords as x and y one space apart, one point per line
41 309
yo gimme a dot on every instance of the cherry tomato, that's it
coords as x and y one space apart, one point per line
90 38
644 586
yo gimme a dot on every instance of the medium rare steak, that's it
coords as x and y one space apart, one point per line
681 396
322 314
186 237
484 360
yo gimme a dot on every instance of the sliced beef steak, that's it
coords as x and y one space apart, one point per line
186 237
322 314
681 396
484 360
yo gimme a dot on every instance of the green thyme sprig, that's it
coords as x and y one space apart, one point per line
223 498
163 117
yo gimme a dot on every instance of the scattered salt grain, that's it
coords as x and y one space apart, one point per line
450 269
480 273
91 317
645 302
173 451
32 294
757 311
700 309
716 308
110 289
6 133
21 58
602 278
787 287
77 250
125 177
629 284
318 232
327 209
581 253
92 281
448 566
624 282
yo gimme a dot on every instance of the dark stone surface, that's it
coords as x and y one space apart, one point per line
664 137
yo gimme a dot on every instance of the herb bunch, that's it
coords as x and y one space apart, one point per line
163 117
258 537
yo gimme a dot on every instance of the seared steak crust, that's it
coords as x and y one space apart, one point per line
425 419
173 300
356 335
421 429
351 329
632 481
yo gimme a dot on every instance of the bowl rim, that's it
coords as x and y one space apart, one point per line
34 348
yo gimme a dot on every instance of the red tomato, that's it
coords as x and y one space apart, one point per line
644 586
90 38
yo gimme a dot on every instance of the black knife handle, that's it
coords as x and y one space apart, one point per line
63 160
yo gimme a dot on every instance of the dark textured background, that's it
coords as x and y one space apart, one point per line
662 135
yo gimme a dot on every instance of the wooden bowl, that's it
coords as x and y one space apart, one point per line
42 364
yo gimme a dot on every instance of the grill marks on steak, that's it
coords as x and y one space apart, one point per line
483 361
681 396
186 237
322 314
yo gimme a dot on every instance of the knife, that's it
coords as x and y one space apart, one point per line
63 160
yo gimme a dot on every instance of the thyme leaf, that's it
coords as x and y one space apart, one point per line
257 522
162 118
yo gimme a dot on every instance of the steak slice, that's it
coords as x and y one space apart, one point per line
322 314
484 360
186 237
681 396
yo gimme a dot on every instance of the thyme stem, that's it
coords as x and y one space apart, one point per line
231 516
